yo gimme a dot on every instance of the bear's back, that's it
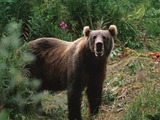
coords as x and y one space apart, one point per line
43 44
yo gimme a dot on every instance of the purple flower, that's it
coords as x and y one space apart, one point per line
63 25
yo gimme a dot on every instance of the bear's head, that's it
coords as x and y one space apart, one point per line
100 42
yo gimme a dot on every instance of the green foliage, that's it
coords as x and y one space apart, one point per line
15 10
101 14
4 115
116 52
151 21
16 90
46 20
153 44
108 97
135 21
145 106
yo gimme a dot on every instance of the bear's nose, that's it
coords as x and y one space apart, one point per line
99 46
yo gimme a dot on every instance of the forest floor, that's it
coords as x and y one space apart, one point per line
131 90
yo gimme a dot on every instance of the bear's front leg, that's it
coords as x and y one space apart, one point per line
94 94
74 102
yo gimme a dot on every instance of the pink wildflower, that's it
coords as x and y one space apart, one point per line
63 25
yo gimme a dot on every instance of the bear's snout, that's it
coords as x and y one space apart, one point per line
99 48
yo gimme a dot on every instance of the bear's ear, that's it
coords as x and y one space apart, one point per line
86 31
113 30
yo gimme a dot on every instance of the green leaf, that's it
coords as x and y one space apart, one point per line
4 115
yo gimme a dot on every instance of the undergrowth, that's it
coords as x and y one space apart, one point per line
17 92
136 22
134 84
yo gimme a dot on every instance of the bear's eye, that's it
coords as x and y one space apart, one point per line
103 37
94 37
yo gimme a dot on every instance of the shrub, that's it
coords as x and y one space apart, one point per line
135 21
129 16
15 10
46 20
16 90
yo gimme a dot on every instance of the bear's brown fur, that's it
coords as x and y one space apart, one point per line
74 65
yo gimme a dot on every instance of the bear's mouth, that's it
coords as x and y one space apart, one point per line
99 49
99 54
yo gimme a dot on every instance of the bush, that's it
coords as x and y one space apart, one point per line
46 20
129 16
15 10
135 21
16 91
151 22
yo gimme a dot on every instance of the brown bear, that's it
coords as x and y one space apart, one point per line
73 66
